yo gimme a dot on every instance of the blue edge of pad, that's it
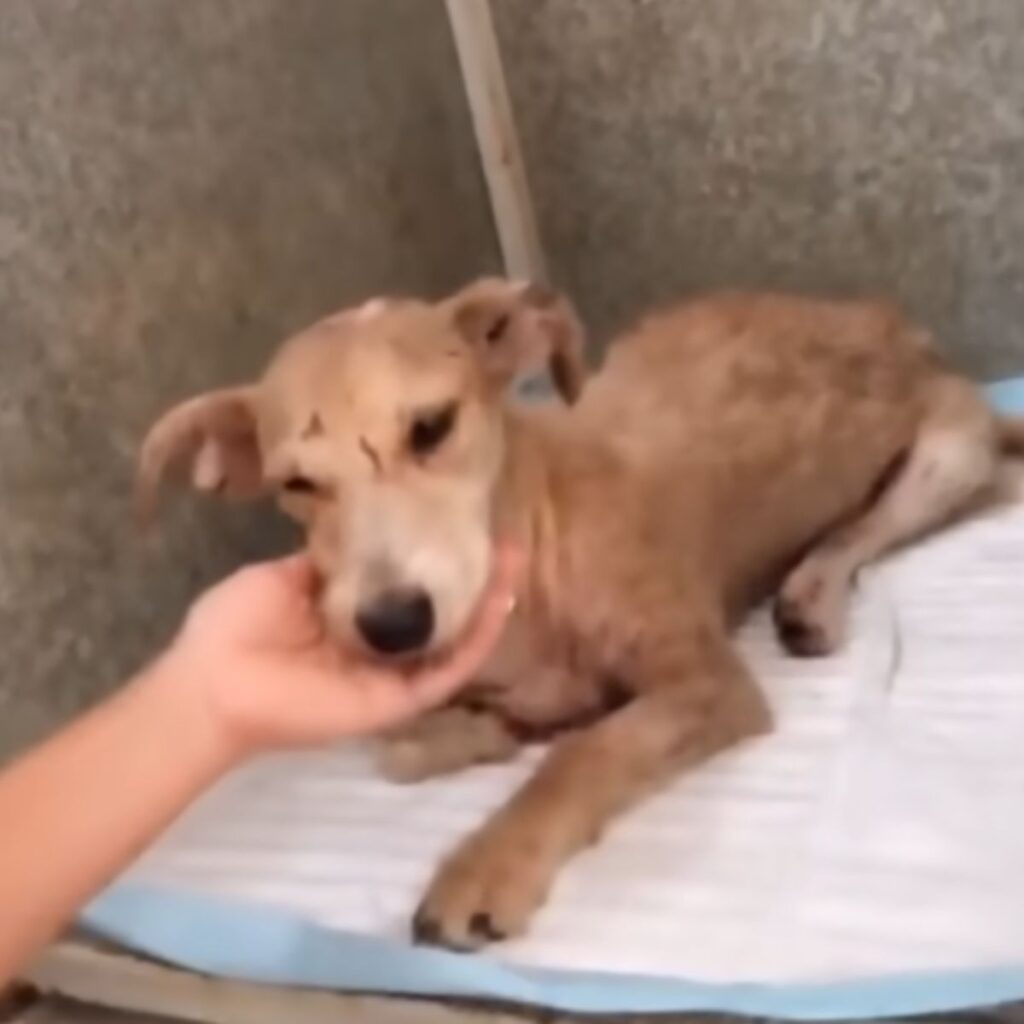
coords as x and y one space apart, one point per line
262 944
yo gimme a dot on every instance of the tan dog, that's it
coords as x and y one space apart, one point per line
728 446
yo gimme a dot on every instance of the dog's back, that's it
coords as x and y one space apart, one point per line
781 414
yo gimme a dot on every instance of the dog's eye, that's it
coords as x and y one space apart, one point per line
429 430
299 485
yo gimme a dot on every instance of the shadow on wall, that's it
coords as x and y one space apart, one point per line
180 186
829 145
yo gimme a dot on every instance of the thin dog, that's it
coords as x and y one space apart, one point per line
731 448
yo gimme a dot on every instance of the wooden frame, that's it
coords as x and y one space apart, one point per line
100 976
497 138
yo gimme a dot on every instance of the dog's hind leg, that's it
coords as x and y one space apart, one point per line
951 462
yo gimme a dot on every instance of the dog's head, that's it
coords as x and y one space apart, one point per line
381 430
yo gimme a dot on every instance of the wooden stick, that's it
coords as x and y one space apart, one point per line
105 977
497 138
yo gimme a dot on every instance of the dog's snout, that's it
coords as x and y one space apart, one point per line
397 621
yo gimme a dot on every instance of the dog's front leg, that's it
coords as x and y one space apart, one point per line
693 704
445 741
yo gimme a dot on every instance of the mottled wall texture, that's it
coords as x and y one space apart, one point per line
184 181
831 145
181 183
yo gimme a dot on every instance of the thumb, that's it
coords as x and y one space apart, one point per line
298 572
369 698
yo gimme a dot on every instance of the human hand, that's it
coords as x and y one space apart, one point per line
254 651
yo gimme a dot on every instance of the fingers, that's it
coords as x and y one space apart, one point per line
368 699
334 697
271 605
293 574
297 571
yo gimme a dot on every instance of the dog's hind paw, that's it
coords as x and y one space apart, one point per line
810 610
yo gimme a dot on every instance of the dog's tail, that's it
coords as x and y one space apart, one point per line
1011 435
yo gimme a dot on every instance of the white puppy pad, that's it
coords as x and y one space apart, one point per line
877 833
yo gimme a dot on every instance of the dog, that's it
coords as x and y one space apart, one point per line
731 447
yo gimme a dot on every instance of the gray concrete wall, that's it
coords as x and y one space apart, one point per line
184 181
830 145
181 183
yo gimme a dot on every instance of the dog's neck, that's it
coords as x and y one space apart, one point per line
555 471
524 499
547 459
528 511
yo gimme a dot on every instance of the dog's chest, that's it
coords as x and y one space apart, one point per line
542 684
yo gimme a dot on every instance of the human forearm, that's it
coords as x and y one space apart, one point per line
83 805
251 670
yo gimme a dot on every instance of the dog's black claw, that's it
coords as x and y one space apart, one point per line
426 931
796 636
482 927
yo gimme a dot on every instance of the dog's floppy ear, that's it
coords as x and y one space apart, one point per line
211 439
518 327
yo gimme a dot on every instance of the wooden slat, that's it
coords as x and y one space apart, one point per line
107 978
63 1011
497 138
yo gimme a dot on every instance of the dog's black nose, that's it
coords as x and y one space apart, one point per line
397 622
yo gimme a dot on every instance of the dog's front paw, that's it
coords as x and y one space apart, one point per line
810 610
488 890
443 742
